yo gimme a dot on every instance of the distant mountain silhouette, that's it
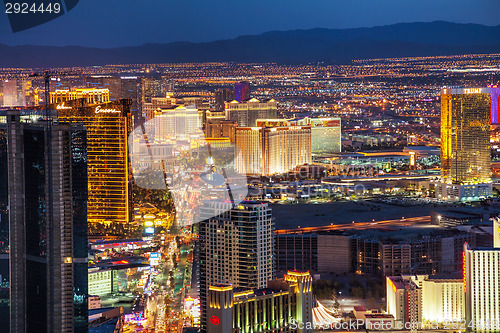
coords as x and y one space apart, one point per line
333 46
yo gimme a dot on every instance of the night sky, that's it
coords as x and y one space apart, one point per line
111 23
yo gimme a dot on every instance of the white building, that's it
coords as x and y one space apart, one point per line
100 281
404 298
177 123
482 288
426 300
443 300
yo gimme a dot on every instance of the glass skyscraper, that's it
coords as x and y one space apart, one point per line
47 186
465 144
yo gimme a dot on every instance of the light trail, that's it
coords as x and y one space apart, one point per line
358 225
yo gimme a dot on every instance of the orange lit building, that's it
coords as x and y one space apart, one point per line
91 95
272 147
108 126
465 144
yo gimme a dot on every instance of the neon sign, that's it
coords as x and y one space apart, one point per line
464 268
62 107
472 90
99 110
214 320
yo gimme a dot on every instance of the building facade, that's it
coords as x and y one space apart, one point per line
285 306
404 298
91 95
364 253
246 113
426 301
177 123
108 126
465 144
221 97
443 299
481 270
47 167
326 134
236 247
270 150
241 91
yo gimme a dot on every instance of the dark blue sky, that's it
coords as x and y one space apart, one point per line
110 23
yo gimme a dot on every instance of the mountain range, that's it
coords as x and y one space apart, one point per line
332 46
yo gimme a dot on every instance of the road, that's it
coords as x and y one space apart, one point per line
359 225
168 290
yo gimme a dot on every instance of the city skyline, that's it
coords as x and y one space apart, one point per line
293 167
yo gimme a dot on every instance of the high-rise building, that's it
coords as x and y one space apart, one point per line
273 147
153 87
108 126
404 298
4 222
443 299
216 128
15 92
419 299
130 90
246 113
222 96
465 144
91 95
284 306
241 91
236 247
326 136
481 270
112 83
47 183
177 123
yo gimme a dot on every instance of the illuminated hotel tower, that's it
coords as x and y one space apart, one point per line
273 147
482 288
465 144
108 126
246 113
236 247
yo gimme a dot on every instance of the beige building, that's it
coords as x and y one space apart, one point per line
270 150
443 299
246 113
177 123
